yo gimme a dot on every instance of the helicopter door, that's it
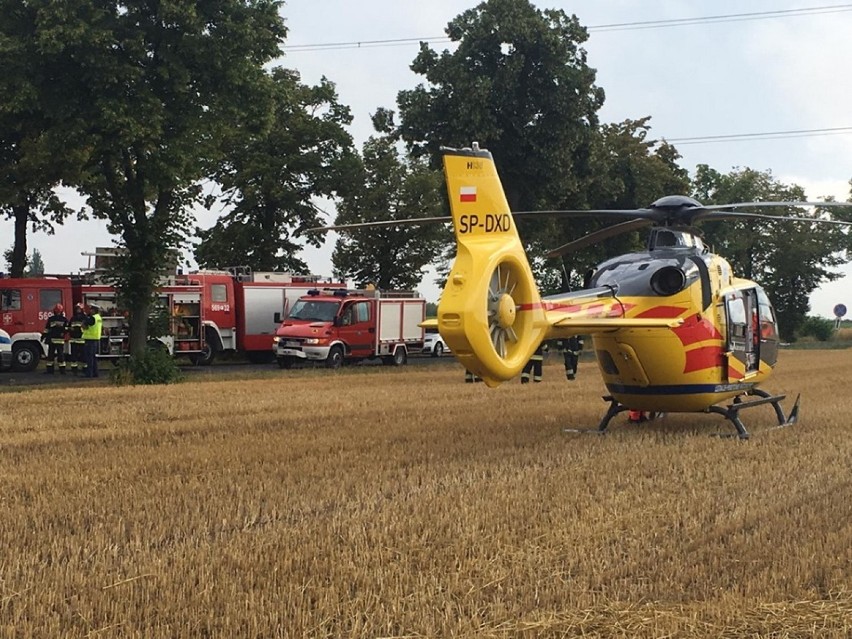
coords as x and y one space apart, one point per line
743 333
768 329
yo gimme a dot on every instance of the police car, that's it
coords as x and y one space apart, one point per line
5 350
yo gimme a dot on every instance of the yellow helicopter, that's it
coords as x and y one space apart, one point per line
673 329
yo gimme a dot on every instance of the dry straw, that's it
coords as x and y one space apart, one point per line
405 503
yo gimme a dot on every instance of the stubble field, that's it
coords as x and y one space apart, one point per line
405 503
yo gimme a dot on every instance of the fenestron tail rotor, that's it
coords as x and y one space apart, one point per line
502 310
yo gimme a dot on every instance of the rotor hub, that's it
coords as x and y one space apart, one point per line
506 311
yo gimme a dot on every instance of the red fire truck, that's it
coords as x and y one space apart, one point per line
333 326
207 312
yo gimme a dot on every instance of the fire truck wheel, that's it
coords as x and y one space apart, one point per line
25 357
335 357
285 362
205 357
399 358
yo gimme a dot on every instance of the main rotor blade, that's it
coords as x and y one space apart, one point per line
445 219
368 225
597 236
738 215
742 205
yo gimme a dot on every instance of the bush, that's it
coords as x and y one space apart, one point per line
818 327
155 366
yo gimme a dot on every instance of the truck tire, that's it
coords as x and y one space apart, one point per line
438 350
335 357
205 357
212 345
399 358
286 362
25 357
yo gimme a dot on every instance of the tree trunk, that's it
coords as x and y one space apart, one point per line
139 312
19 249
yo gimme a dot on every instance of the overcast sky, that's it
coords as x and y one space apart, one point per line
728 77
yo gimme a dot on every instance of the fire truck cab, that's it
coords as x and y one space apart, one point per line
25 305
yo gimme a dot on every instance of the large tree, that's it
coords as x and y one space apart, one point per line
518 83
270 180
391 187
790 259
37 149
157 87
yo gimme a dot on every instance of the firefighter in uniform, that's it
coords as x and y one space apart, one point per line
533 367
54 336
571 349
92 329
75 332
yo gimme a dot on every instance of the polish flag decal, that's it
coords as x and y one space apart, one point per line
467 194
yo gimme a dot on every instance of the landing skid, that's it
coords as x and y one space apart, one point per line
730 412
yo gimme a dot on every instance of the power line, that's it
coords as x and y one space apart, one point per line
768 135
622 26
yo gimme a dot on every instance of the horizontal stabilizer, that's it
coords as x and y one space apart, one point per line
589 325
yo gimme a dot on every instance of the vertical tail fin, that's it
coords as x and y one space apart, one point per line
490 312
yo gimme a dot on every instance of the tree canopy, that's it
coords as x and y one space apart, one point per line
32 129
390 187
156 89
270 179
518 84
790 259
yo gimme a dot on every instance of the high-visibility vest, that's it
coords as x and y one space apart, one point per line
94 331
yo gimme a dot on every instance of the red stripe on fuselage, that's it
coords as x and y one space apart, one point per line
696 329
662 312
702 358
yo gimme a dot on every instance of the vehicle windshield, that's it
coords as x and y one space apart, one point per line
314 310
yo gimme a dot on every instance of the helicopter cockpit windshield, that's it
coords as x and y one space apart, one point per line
667 238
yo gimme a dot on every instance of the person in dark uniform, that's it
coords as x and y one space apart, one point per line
571 349
54 336
470 378
75 333
534 366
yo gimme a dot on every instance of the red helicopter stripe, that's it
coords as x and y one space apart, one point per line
733 373
703 358
662 312
696 329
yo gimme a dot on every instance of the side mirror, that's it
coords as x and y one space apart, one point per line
276 318
337 320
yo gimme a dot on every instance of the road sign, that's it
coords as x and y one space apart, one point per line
840 310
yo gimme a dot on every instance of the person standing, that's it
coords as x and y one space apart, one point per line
470 378
92 337
533 366
75 333
571 349
54 336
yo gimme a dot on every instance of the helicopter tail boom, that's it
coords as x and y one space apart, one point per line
490 314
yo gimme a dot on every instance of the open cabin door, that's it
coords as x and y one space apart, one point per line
743 338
